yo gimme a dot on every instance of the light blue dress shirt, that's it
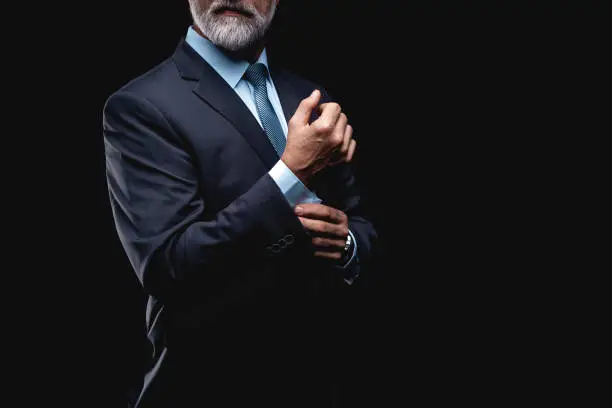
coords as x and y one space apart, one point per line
232 72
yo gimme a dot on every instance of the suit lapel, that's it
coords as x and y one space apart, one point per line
214 91
288 96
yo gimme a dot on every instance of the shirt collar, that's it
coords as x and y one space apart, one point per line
230 70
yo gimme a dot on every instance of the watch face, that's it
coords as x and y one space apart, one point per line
347 245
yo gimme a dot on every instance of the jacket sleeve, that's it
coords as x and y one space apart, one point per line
339 188
158 207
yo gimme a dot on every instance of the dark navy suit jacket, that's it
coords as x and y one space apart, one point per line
239 310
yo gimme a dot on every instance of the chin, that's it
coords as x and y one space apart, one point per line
233 35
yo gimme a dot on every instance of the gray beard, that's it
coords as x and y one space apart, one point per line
231 32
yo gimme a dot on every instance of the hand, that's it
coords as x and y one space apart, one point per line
311 147
328 228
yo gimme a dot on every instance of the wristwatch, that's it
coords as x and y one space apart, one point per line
348 243
348 249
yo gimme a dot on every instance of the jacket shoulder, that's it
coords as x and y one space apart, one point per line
150 84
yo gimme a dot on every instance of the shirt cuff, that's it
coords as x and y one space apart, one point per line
295 193
292 188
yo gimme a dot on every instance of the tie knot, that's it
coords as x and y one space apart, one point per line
256 74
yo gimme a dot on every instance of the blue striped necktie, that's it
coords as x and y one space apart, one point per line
257 74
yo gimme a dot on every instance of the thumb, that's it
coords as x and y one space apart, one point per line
304 110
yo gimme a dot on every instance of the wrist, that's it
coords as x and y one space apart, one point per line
300 172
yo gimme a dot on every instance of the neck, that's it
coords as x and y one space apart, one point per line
250 54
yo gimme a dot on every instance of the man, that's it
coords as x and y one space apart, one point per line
233 196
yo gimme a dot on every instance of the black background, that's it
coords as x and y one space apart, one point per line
453 104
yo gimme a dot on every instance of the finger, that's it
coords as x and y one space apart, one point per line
321 212
328 244
340 130
351 151
340 156
329 255
329 114
305 108
346 141
324 228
